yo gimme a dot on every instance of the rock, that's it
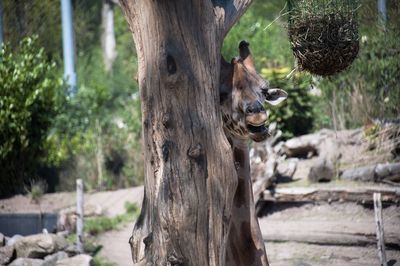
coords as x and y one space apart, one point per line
7 254
63 234
51 260
322 171
72 250
287 169
2 240
38 246
325 168
78 260
26 262
11 241
67 217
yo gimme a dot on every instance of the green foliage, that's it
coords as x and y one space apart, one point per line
27 106
131 208
104 118
37 190
268 38
25 18
370 88
97 261
97 225
294 116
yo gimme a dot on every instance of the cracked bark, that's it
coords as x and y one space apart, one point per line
189 168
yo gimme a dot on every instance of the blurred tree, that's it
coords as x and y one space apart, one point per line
27 107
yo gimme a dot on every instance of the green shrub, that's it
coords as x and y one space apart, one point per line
295 116
27 106
36 190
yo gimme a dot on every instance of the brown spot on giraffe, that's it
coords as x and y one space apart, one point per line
242 94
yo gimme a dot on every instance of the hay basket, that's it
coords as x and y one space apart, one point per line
323 34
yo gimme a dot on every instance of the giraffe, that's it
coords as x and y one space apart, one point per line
242 93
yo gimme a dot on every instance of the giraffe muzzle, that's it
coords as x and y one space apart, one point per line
259 133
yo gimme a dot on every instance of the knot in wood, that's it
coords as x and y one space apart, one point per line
195 151
171 65
165 150
166 120
148 240
174 261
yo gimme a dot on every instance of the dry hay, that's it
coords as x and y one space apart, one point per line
324 43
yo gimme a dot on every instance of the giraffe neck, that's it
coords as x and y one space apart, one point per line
245 243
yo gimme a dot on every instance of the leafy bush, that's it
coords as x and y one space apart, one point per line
97 225
27 106
370 88
36 190
296 115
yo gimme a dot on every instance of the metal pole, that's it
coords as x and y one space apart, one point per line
1 23
68 46
382 10
79 213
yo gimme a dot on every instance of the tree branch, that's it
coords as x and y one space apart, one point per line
233 10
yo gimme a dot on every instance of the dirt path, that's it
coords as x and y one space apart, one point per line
346 230
115 246
111 202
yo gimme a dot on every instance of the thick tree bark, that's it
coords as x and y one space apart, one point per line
189 169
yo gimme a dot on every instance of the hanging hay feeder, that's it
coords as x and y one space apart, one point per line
323 34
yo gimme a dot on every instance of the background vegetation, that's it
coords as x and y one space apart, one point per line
46 135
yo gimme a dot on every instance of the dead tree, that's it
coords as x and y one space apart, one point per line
190 176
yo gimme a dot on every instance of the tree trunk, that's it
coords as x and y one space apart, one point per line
189 169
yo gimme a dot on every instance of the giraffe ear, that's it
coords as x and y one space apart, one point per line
246 56
275 96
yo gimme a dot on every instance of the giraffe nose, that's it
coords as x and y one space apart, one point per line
254 108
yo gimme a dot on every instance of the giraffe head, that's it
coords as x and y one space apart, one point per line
242 94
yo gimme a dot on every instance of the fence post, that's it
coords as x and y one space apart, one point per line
379 229
79 212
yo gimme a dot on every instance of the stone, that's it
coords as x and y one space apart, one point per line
7 254
72 250
325 168
322 171
67 217
11 241
78 260
2 240
40 245
51 260
26 262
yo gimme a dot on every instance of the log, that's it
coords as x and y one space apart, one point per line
330 238
377 173
359 195
302 146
